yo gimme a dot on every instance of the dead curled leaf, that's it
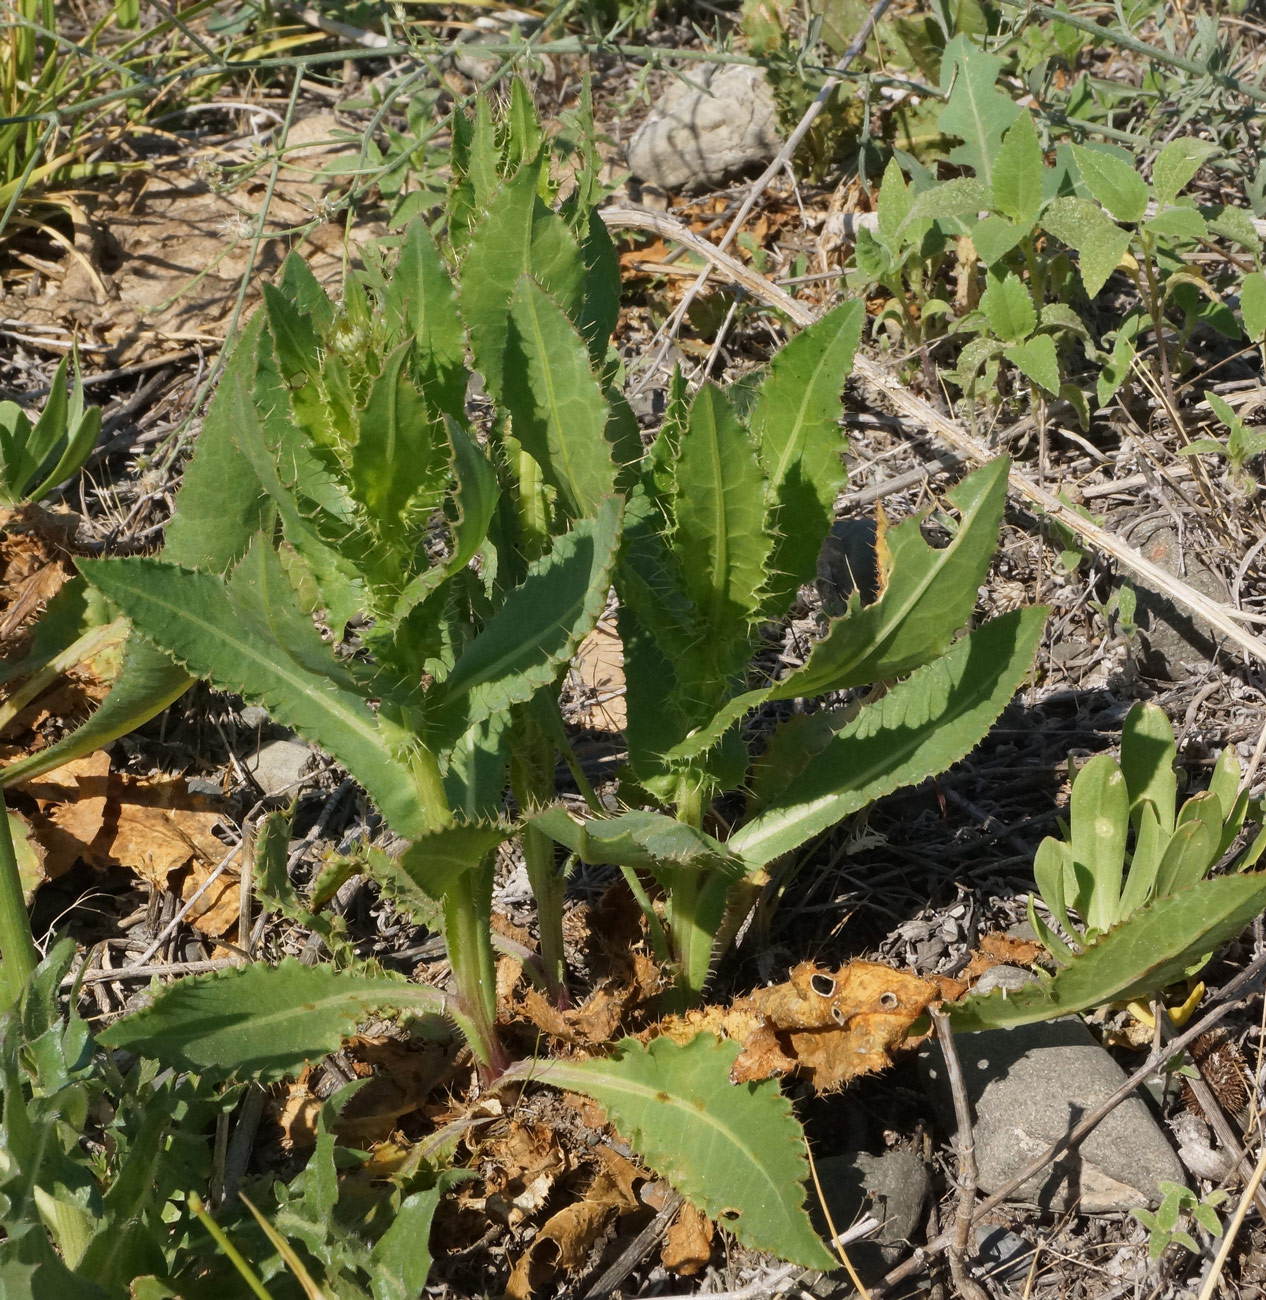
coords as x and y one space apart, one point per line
828 1027
85 813
687 1244
567 1237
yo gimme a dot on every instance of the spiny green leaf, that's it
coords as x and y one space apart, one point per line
536 630
720 540
518 236
555 402
399 462
261 1022
796 427
928 594
924 724
423 302
298 358
219 508
736 1152
435 859
1154 947
252 637
641 838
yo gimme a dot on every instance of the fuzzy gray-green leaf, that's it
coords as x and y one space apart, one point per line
261 1022
922 726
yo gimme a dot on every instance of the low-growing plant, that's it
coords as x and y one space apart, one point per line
1129 887
1179 1203
1240 445
36 458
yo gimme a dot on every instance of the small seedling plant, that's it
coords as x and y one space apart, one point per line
1180 1204
1130 889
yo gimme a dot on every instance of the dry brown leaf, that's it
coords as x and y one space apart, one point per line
598 674
153 828
567 1237
828 1027
687 1244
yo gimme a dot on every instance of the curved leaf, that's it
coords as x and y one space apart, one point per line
262 1022
919 728
1156 946
736 1152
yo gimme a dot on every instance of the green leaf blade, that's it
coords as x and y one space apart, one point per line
261 1022
922 726
1157 946
736 1152
558 411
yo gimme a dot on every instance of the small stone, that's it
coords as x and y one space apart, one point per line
253 718
701 138
1028 1086
278 767
1170 637
893 1187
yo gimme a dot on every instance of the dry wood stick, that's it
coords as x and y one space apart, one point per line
964 1283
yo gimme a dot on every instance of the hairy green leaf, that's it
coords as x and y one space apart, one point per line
796 428
262 1022
1156 946
1099 241
1017 177
558 411
1114 182
536 630
736 1152
922 726
1036 359
1008 306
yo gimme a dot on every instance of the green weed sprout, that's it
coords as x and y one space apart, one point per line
1180 1201
35 458
1240 446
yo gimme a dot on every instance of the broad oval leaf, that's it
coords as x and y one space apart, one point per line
737 1152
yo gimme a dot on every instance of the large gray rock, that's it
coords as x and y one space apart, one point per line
701 138
1028 1086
